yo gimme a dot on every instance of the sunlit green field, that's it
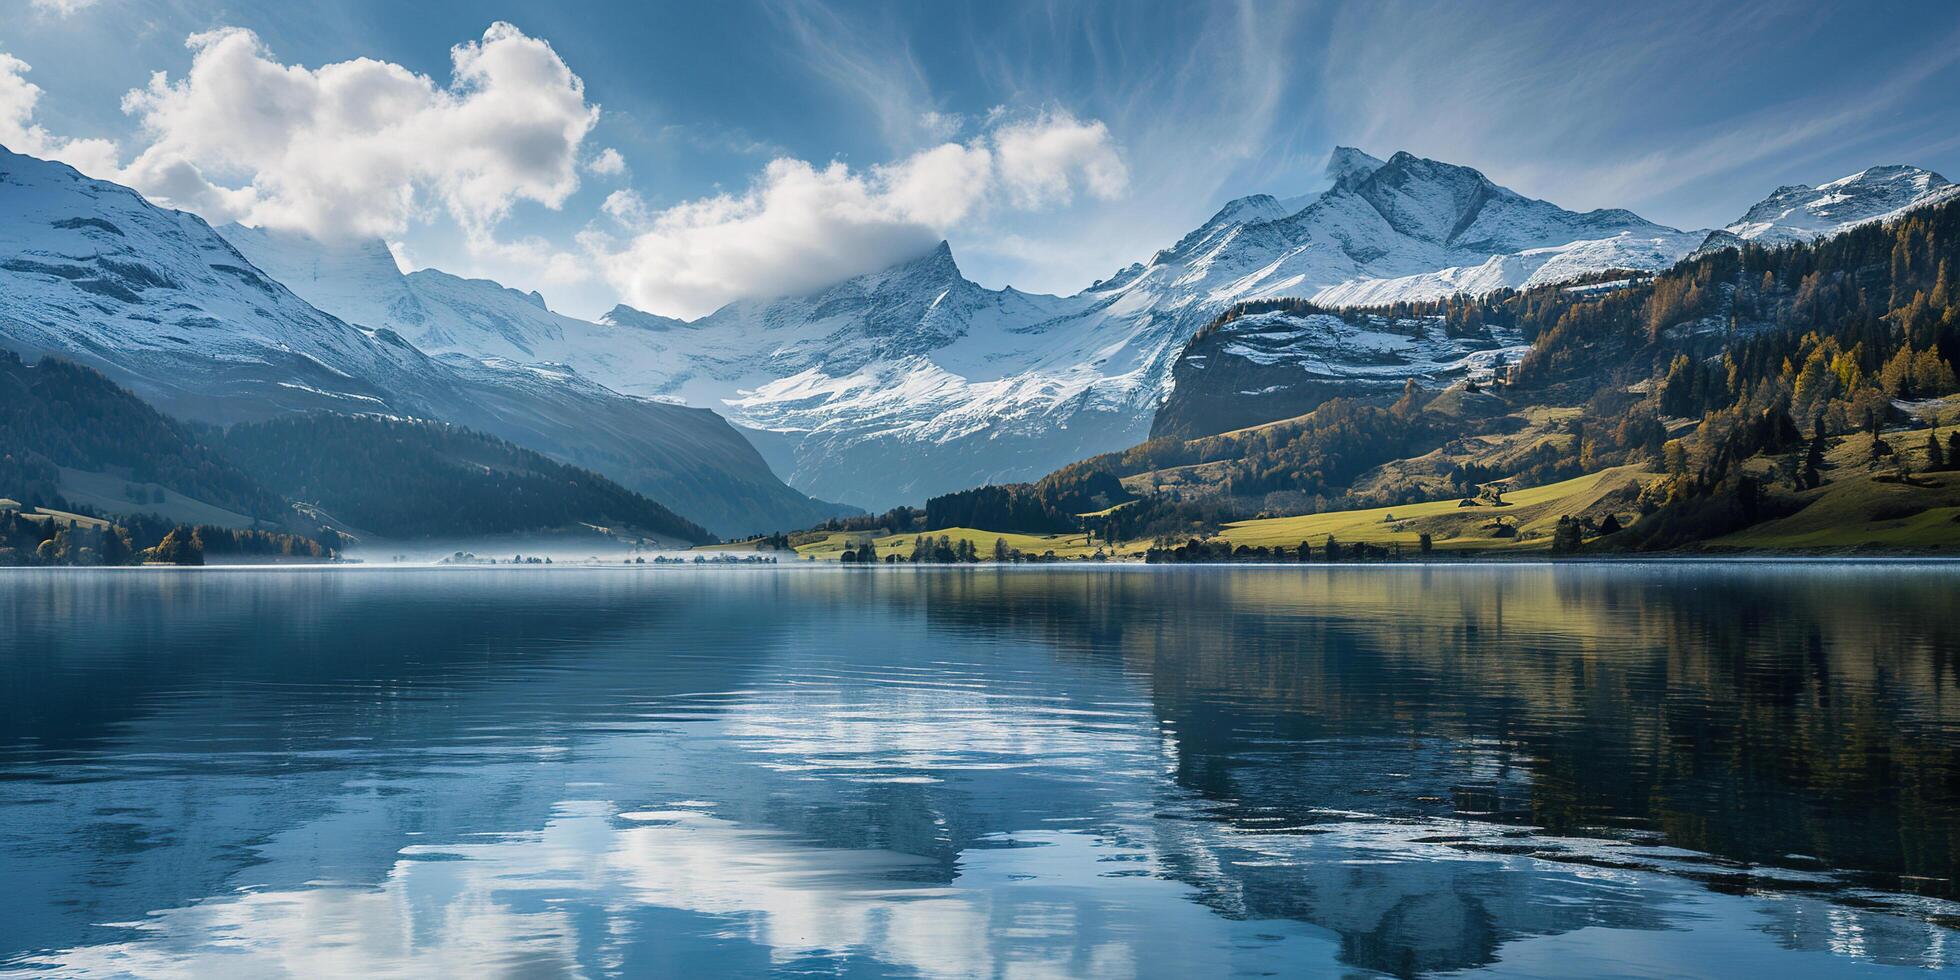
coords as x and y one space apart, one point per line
1533 512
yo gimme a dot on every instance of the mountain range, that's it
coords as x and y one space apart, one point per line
162 304
915 381
881 389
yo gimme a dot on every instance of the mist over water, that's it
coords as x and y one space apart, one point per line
1527 770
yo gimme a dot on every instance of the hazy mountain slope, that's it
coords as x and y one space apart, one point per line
359 282
895 385
411 478
167 307
567 386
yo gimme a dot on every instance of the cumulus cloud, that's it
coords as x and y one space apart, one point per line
361 147
799 226
606 163
626 207
20 133
1042 160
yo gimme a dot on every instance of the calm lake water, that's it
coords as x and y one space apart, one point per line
1654 770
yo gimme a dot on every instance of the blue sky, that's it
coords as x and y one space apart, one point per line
772 145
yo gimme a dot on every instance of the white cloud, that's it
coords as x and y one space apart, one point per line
62 8
19 132
606 163
799 226
361 147
529 259
627 207
1042 160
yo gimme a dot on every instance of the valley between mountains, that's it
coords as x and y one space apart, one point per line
1415 340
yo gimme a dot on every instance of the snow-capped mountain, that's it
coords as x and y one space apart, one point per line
443 314
1419 229
164 305
915 381
911 381
157 301
1799 212
915 357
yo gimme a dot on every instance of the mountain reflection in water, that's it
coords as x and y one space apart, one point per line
1665 769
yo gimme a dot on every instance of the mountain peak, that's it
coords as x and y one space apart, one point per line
1406 166
941 255
626 316
936 265
1245 210
1800 212
1347 166
1890 173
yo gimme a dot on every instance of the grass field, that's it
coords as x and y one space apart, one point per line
833 545
1533 511
104 492
62 517
1858 509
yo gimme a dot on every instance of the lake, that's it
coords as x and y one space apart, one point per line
1520 770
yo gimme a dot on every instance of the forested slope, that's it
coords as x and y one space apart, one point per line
54 413
410 478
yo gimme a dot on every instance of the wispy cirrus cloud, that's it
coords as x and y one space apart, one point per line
1682 108
61 8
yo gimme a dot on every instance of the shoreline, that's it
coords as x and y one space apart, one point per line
1465 563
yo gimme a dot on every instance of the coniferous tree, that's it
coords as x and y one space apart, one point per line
1813 464
1567 537
179 547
